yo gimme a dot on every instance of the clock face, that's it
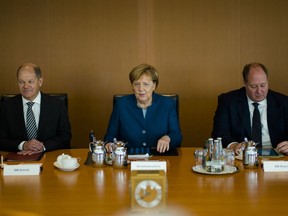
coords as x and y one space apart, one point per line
148 193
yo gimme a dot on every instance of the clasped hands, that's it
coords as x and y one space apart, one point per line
282 147
32 147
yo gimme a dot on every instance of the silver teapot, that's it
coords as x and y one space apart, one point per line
97 147
119 158
250 155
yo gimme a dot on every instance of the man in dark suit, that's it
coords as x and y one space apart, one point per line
50 114
234 115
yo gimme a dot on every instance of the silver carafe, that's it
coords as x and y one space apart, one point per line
97 147
119 159
250 155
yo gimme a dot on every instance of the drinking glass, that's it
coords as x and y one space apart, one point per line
229 157
199 156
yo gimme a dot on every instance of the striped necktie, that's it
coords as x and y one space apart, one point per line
30 122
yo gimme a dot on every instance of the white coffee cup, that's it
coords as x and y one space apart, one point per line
62 156
69 162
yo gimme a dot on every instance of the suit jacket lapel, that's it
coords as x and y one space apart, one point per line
244 113
43 109
272 114
20 115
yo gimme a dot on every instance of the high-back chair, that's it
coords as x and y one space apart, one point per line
61 96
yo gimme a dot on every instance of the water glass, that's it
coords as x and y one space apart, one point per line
199 155
229 157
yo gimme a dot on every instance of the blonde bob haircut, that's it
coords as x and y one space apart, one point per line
144 69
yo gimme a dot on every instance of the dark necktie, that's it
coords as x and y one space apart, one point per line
256 126
30 122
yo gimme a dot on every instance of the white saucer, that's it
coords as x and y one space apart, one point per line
227 170
66 169
238 157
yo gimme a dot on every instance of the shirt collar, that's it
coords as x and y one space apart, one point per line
261 103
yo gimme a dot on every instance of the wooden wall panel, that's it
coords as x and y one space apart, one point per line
195 44
24 37
87 48
265 38
94 44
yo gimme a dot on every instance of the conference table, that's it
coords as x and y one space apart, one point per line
107 191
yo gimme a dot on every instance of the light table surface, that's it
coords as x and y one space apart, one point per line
106 191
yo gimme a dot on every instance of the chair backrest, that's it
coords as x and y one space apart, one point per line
61 96
174 96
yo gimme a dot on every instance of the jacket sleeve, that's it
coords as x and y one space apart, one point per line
60 139
222 123
174 128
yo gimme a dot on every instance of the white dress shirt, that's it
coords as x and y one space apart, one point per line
266 143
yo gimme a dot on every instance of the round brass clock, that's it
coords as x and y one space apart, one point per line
148 193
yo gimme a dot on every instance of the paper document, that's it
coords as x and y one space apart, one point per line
138 156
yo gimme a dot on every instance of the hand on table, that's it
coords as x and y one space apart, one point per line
163 144
31 147
282 147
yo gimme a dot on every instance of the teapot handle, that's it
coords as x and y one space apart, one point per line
91 145
109 147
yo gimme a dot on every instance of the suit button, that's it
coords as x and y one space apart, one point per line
144 144
143 131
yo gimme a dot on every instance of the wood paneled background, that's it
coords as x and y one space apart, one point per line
86 48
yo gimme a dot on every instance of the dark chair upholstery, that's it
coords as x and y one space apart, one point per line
174 96
62 96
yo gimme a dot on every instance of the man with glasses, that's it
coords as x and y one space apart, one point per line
234 121
32 121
